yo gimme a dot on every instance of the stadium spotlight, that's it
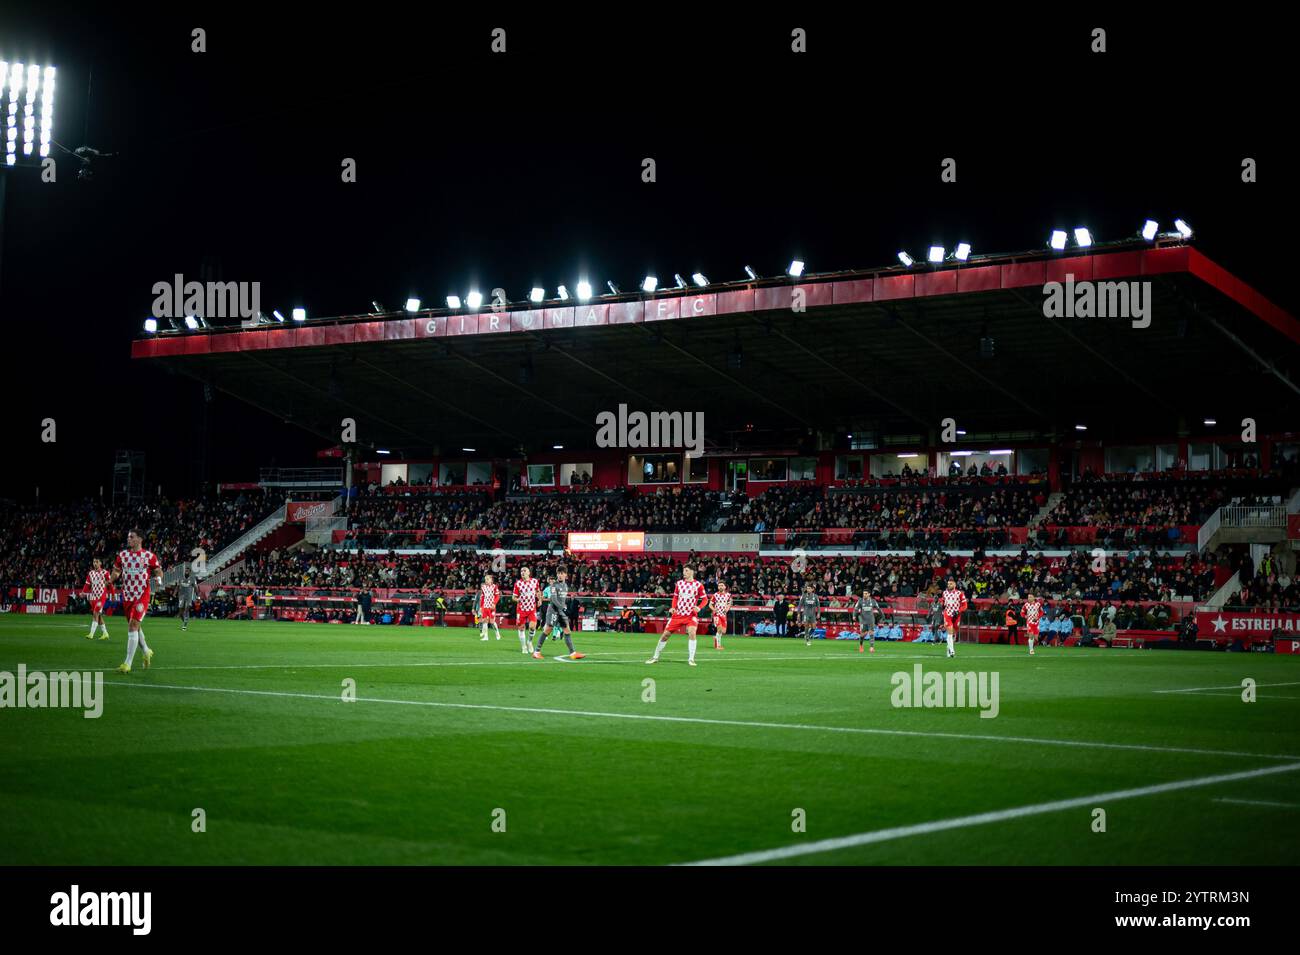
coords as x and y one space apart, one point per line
474 299
1082 237
563 293
28 83
1149 229
681 282
795 270
278 316
453 301
750 272
936 253
557 447
1209 422
1057 240
1080 427
412 305
906 259
613 289
962 252
537 294
584 290
649 284
191 323
1183 228
470 450
151 325
300 314
382 451
699 279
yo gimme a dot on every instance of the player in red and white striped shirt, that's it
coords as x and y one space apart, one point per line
136 567
488 595
1032 612
720 603
954 605
527 591
99 587
688 598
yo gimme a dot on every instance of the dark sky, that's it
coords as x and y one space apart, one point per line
524 168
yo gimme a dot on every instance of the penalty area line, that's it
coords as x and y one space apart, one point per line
984 818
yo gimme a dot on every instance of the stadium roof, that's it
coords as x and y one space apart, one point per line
889 352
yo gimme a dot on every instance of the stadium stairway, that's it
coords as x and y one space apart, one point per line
1247 524
231 552
1221 596
1050 505
223 576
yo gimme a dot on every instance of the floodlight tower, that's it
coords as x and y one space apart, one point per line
27 115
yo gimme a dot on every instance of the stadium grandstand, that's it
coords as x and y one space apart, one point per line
828 456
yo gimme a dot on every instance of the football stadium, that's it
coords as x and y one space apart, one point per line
668 531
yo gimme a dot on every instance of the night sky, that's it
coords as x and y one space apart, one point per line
483 170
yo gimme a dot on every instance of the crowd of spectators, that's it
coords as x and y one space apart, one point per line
53 545
1137 504
1139 576
1269 586
374 514
665 509
1011 506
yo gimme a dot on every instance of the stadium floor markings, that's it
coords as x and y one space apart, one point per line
1267 696
985 818
1259 802
1206 689
701 720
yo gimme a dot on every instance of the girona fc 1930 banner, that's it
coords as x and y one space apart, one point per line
1237 625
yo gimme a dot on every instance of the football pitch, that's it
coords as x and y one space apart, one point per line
460 752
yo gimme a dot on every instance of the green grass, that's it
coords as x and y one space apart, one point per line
288 773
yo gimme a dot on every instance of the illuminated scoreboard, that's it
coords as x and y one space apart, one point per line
614 542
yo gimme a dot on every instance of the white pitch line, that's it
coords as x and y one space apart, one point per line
985 818
1260 802
748 724
1238 686
1270 697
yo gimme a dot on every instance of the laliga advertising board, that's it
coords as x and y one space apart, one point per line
612 542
